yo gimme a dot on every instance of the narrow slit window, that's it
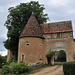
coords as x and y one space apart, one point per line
74 56
22 57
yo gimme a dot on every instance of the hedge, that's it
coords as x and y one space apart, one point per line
69 68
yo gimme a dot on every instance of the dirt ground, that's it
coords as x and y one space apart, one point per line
53 70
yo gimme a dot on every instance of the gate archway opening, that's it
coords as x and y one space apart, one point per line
60 56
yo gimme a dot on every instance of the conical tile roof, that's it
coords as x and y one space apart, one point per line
32 28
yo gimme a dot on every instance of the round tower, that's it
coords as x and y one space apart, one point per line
31 42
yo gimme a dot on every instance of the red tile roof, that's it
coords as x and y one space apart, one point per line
64 26
32 28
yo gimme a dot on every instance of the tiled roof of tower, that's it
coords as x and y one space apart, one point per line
32 28
64 26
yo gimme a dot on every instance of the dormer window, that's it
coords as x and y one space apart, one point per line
58 35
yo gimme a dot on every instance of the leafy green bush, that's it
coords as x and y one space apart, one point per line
50 54
18 68
69 68
2 61
49 57
5 69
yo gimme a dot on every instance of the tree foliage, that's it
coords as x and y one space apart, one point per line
2 60
17 19
50 54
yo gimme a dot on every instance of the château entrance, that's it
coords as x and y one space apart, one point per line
60 56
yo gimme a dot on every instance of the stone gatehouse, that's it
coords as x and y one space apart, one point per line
36 40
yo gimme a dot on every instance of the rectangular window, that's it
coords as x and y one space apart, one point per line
58 35
22 57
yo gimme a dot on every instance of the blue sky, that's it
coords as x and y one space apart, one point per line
57 10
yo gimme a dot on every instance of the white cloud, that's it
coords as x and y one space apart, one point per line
58 3
71 12
3 53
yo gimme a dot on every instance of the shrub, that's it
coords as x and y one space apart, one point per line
69 68
18 68
2 61
50 54
5 69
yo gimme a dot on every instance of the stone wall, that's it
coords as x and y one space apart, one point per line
9 56
33 50
66 44
62 35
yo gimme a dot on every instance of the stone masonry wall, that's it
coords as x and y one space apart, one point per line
62 35
9 56
66 44
34 52
35 49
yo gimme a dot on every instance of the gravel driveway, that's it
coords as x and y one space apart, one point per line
53 70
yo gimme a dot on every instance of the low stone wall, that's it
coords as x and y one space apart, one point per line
36 66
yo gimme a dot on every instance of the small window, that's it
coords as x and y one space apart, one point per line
40 45
71 34
22 57
40 59
58 35
27 44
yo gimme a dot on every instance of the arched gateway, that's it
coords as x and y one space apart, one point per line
36 40
66 44
60 56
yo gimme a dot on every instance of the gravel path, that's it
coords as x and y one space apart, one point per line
53 70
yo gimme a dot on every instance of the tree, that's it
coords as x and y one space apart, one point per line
49 56
17 19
